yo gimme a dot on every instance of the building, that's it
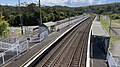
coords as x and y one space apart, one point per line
51 26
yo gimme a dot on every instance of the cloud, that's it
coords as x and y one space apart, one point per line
59 2
87 1
69 2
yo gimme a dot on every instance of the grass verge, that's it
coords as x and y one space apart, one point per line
106 26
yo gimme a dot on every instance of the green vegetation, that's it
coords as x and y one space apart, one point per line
104 23
116 20
113 39
106 26
115 16
30 12
3 26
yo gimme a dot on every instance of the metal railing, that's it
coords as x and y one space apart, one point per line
10 51
111 61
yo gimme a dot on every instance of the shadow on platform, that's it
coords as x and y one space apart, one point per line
98 55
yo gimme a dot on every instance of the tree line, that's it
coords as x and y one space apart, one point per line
3 25
10 15
101 9
30 12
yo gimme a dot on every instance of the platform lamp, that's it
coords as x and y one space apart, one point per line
21 22
40 17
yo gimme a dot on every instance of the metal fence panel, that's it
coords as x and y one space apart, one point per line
111 61
12 50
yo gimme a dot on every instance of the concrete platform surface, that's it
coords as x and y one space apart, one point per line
98 58
116 49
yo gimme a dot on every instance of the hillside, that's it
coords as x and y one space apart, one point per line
30 12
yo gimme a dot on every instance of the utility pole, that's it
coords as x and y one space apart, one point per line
110 22
98 17
21 22
69 17
40 17
40 20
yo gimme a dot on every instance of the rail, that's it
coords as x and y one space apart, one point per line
38 54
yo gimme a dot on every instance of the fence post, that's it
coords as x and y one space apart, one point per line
40 37
17 49
3 58
0 46
27 44
18 46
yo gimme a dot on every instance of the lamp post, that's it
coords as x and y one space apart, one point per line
21 23
69 17
40 19
110 22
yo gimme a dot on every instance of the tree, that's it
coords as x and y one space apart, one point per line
62 15
52 17
56 15
115 16
31 7
1 17
11 19
3 26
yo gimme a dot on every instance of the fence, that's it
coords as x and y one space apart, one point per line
10 40
60 26
43 35
7 46
38 37
10 51
117 60
12 47
111 61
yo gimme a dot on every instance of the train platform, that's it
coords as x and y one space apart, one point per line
116 49
36 48
99 57
99 45
115 52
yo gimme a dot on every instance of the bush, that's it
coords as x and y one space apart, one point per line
3 26
115 16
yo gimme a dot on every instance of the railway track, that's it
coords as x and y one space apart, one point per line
71 51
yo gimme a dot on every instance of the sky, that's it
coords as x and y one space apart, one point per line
71 3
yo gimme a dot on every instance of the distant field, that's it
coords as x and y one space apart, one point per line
104 23
106 26
117 21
